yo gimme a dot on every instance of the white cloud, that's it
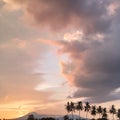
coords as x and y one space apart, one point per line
78 35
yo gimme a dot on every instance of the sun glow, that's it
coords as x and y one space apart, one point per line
13 110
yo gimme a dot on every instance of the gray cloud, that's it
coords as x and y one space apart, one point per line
95 69
95 65
90 16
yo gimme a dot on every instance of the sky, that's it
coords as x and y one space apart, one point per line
54 51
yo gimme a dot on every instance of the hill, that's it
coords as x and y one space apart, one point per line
39 116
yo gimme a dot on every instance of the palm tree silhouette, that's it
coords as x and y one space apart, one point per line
87 108
72 109
93 111
99 111
118 114
113 111
104 113
79 107
68 107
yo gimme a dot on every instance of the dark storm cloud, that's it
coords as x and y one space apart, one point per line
96 68
96 85
95 65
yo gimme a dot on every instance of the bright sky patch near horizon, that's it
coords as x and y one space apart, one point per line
52 49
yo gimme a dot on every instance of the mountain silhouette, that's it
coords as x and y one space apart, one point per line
39 116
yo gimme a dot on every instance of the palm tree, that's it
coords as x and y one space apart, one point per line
113 111
99 111
79 107
67 107
104 113
87 108
72 109
118 114
93 111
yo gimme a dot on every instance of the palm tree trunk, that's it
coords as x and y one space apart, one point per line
72 116
86 114
68 114
79 115
99 115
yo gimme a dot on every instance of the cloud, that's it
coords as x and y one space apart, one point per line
65 14
95 70
93 65
18 77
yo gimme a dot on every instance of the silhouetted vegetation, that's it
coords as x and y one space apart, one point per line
87 108
100 112
66 117
79 107
48 118
31 117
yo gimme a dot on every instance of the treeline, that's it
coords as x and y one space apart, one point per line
31 117
102 112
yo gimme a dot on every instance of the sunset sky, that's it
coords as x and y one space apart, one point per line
54 51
